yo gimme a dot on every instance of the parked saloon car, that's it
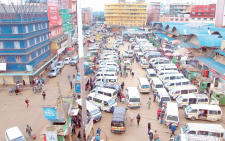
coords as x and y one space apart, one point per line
60 65
90 41
74 60
53 72
67 60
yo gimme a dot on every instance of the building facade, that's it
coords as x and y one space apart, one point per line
153 11
220 16
181 19
24 40
203 13
74 13
87 16
126 14
177 9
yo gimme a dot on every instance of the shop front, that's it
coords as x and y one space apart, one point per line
59 45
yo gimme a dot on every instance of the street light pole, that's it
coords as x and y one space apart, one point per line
81 64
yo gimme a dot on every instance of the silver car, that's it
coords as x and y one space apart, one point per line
74 60
53 72
60 65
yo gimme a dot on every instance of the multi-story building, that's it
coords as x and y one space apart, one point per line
87 16
74 13
203 13
168 18
24 38
220 17
126 14
179 9
153 11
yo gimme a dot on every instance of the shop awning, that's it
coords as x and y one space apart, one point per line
220 52
164 37
211 63
192 45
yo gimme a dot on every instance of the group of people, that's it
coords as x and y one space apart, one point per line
138 117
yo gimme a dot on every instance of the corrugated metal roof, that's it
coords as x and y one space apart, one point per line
216 29
220 52
209 40
222 34
210 62
163 36
192 45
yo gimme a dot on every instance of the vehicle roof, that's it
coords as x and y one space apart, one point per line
162 92
105 89
60 62
14 132
206 127
193 137
100 96
179 80
144 81
119 114
126 61
67 58
133 92
159 58
156 80
139 53
177 74
89 105
107 72
150 71
185 87
205 106
169 66
172 108
107 77
194 96
160 65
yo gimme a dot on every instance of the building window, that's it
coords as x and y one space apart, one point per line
127 21
40 38
48 47
2 59
28 43
127 17
46 25
46 36
43 37
212 8
130 21
41 50
36 53
1 45
205 13
130 17
42 25
193 18
39 26
171 19
199 13
14 30
211 13
18 59
176 19
186 19
0 29
34 28
206 8
35 41
144 18
199 18
16 44
199 8
181 19
211 19
193 13
26 28
30 58
205 19
44 49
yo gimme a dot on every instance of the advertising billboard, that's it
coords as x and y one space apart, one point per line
56 31
49 112
165 7
53 13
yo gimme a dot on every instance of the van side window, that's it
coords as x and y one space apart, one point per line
203 133
191 91
105 103
184 92
194 111
171 84
100 92
177 92
219 112
179 77
107 94
184 100
201 100
166 78
172 78
212 112
90 98
185 83
178 84
192 132
114 93
196 90
215 134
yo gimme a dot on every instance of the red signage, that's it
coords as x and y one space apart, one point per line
56 32
223 77
186 50
53 13
212 70
201 63
186 55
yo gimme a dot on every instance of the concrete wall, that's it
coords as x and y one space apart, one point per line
10 81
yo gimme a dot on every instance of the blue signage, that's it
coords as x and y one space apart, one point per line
77 88
50 112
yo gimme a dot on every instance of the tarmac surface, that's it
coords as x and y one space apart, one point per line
14 112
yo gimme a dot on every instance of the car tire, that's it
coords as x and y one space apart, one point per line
193 118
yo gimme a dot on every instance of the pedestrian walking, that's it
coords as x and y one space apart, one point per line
24 84
79 121
156 135
118 96
131 119
3 82
69 77
43 80
122 85
121 73
73 128
43 94
169 127
79 136
131 61
126 73
138 119
149 103
74 76
30 83
98 131
60 71
71 84
151 135
149 127
160 104
112 109
98 138
76 67
27 102
29 130
132 73
158 113
154 97
122 98
210 93
173 129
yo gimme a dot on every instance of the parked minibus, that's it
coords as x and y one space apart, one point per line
162 95
164 72
118 120
172 114
133 99
167 77
105 91
191 137
143 85
204 112
187 89
144 64
176 83
150 73
156 84
107 79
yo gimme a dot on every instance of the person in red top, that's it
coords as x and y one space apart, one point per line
27 102
94 67
158 113
122 98
95 59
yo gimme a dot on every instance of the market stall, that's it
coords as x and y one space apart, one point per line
219 95
54 132
203 82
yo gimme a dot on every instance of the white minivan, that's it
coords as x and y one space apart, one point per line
172 114
176 83
14 134
156 84
133 99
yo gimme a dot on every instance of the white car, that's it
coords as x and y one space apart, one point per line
60 65
67 60
14 134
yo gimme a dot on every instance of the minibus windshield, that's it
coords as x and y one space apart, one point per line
173 118
134 100
165 99
117 123
145 86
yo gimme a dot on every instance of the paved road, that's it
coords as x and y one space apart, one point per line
13 109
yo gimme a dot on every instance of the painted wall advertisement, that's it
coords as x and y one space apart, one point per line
165 7
49 112
51 136
56 32
53 13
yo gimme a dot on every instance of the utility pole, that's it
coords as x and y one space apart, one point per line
64 112
81 63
